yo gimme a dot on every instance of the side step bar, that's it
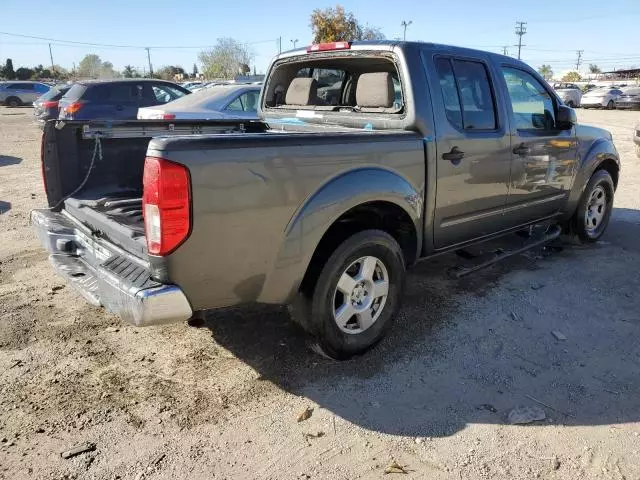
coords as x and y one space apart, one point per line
499 255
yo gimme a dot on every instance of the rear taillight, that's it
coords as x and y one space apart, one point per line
50 104
166 202
168 116
42 168
72 108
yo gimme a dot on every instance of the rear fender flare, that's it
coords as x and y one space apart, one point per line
308 225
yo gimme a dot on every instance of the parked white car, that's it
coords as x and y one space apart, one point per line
569 93
603 97
219 102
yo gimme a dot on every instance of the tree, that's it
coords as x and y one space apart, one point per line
593 68
129 72
546 71
92 66
7 70
572 77
169 72
334 25
24 73
225 58
194 73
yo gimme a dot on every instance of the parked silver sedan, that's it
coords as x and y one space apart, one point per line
604 97
14 94
219 102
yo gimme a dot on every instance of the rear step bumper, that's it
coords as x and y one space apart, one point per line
108 277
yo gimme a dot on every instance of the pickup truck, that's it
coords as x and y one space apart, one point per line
368 157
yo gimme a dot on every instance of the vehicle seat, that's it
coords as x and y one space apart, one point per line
302 92
374 92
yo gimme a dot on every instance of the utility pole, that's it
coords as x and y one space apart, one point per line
505 51
579 60
279 45
51 56
149 59
521 29
405 24
294 42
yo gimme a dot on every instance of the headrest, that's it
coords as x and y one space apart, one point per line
375 90
302 91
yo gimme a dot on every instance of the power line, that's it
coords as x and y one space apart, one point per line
521 29
60 42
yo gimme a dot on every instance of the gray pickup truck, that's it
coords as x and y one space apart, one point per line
369 157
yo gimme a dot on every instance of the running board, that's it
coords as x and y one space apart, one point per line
499 255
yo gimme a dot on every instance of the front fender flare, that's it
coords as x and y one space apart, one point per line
599 152
310 222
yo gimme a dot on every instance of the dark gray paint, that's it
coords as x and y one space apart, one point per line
261 202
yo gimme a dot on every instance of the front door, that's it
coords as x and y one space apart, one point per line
473 152
544 158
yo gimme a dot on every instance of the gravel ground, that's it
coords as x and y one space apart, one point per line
222 400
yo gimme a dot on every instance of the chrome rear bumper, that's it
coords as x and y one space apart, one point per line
106 276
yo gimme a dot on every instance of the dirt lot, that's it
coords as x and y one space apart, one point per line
221 401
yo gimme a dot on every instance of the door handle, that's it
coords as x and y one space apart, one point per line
454 156
522 150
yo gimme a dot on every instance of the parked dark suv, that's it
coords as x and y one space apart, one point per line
46 107
115 99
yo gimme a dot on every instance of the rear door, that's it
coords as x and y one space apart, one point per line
473 154
544 158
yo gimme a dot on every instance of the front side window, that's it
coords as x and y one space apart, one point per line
247 102
533 107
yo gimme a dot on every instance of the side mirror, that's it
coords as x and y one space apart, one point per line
566 117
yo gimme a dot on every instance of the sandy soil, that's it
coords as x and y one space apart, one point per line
221 401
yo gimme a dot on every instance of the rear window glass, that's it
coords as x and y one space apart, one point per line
336 85
75 92
55 93
116 92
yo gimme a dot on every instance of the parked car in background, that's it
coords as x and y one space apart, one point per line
636 138
14 94
603 97
222 101
191 85
46 107
570 93
588 87
630 99
116 99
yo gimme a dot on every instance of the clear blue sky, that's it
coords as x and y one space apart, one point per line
609 33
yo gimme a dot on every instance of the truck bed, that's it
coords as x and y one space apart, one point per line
110 202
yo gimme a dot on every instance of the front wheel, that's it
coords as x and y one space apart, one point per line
610 105
594 210
356 296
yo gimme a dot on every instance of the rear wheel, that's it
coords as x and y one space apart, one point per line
356 295
13 102
594 210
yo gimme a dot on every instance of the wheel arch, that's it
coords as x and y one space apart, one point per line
376 197
602 155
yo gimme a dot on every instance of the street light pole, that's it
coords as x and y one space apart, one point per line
294 42
405 25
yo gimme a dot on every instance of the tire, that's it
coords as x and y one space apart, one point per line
570 104
13 102
638 150
347 324
594 209
611 105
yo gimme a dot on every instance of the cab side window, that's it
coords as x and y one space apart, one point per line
468 97
533 106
